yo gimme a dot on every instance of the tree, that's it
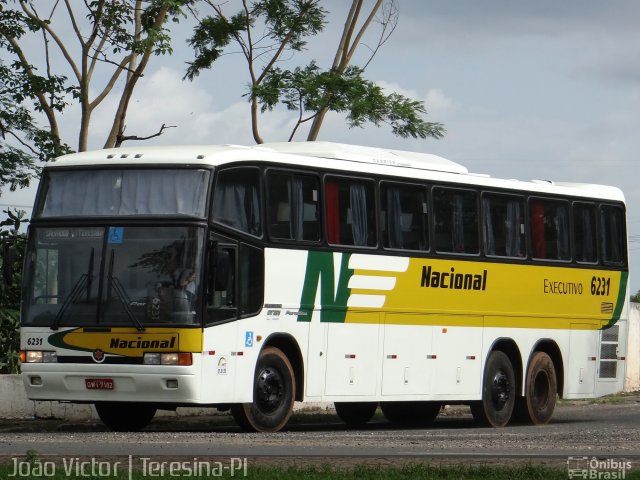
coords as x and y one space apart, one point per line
636 298
110 40
23 142
12 244
311 90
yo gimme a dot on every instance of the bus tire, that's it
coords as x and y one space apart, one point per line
541 388
125 416
274 389
411 413
355 414
498 392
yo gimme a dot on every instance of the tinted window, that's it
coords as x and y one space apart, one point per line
97 192
455 220
613 234
584 232
404 216
550 230
350 212
293 207
503 225
236 200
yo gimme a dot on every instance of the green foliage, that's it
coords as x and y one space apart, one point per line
112 38
12 244
636 298
287 22
210 38
23 142
310 89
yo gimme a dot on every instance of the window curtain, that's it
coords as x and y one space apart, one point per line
126 192
359 225
611 232
458 223
561 223
332 212
588 234
514 220
537 229
488 227
296 203
394 218
237 205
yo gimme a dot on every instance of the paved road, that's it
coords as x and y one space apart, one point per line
608 430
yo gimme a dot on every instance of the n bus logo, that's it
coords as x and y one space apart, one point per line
320 273
372 277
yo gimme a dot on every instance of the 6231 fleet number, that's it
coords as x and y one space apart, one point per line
600 286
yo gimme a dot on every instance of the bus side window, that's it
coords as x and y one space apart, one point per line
236 287
612 234
584 232
250 292
332 212
221 301
236 200
404 216
350 212
455 214
293 207
550 230
503 225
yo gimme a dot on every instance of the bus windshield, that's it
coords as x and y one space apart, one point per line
120 192
113 276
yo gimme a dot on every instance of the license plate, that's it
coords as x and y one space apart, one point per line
99 383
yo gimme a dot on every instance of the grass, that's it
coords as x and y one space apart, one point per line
358 472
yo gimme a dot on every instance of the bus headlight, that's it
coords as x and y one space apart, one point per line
177 358
37 356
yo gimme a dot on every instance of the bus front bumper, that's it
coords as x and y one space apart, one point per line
112 383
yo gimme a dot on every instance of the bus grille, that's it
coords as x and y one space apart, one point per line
609 352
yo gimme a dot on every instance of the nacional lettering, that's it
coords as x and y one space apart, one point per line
453 280
116 342
562 288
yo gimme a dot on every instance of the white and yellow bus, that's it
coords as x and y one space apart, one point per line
248 278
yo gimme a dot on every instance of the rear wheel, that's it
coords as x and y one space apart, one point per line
125 416
541 389
498 392
411 413
273 394
355 414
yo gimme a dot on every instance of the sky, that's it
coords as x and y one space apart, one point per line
528 90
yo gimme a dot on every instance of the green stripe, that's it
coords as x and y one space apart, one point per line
622 296
57 340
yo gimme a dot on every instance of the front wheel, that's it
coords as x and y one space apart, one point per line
125 416
498 392
273 394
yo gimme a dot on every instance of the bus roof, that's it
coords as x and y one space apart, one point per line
373 155
336 156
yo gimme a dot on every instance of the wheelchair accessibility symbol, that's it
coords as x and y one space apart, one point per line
248 339
115 235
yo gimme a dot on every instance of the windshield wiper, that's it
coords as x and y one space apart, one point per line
73 296
85 280
121 293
